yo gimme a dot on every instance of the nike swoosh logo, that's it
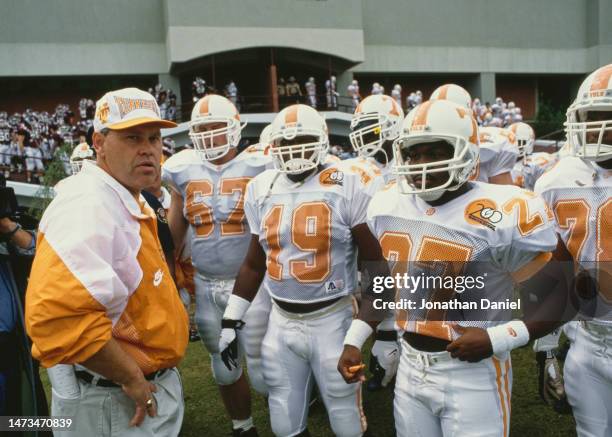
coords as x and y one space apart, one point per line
158 277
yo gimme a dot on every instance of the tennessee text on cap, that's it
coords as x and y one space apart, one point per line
126 108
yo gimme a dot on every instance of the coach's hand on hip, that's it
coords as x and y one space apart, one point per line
141 392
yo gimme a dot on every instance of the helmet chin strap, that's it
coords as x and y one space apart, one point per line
382 149
430 196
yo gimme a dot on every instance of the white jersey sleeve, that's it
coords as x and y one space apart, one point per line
360 192
507 155
532 234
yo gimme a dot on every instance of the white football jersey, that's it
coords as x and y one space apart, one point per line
385 171
213 198
498 229
369 165
523 175
498 153
580 196
305 230
526 172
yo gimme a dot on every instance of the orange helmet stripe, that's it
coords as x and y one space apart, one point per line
602 78
420 118
394 108
204 105
443 94
291 116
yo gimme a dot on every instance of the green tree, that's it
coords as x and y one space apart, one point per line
54 172
549 120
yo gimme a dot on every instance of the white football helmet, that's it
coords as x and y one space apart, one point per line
432 121
594 95
525 137
215 109
376 119
80 153
454 93
298 121
264 136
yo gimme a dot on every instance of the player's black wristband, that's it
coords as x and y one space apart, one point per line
232 324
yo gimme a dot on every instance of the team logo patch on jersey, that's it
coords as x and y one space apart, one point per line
332 287
483 212
331 176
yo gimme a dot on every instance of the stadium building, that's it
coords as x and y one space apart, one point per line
60 50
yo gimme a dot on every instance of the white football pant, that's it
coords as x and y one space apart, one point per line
588 379
436 395
303 349
211 299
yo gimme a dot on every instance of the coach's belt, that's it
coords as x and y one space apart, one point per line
344 301
101 382
425 359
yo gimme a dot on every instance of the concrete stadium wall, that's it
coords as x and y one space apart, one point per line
66 37
379 38
81 37
198 28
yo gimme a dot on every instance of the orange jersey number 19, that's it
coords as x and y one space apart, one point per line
310 232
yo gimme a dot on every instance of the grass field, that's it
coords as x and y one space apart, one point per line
204 415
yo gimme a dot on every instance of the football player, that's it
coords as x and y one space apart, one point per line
454 376
307 221
498 154
498 149
81 153
396 94
454 93
311 92
579 191
209 184
353 92
374 126
522 173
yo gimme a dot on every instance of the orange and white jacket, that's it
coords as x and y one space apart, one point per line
99 272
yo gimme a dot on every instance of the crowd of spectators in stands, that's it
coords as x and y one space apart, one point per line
29 140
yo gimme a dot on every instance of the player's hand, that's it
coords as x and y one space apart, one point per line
228 342
473 345
384 361
141 391
550 382
350 365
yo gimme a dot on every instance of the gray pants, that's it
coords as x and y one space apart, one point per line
107 412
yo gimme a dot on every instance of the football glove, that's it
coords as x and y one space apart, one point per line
228 342
384 361
550 382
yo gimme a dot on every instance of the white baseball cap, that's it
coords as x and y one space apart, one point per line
126 108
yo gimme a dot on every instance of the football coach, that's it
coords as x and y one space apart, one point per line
100 296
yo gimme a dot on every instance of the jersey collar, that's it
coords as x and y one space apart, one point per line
134 207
